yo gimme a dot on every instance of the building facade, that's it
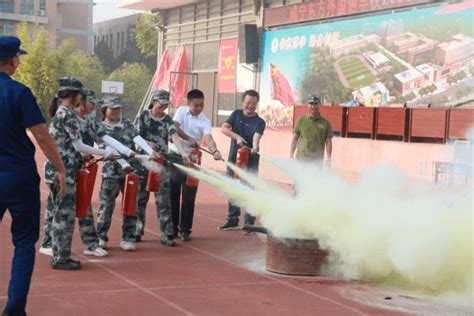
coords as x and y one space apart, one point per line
61 18
116 32
204 25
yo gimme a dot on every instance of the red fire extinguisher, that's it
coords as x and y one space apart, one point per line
195 158
91 168
153 180
82 192
129 201
242 159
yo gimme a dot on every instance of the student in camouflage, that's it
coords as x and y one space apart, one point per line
64 129
121 131
87 126
156 127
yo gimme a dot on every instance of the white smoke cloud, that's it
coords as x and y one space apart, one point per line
385 228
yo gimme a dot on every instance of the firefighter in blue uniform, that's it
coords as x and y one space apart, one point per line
19 179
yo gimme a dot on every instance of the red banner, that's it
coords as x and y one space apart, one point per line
227 65
320 9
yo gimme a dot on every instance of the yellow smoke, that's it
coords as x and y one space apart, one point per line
384 229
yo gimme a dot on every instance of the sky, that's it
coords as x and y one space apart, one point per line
107 10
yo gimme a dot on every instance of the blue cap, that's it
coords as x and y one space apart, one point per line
10 46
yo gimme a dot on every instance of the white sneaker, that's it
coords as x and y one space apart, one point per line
98 252
46 251
102 244
127 245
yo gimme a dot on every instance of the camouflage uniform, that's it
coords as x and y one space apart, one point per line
113 181
89 238
86 225
64 129
157 131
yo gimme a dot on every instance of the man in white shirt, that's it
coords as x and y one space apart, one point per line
191 125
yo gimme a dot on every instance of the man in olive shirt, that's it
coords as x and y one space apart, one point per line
312 133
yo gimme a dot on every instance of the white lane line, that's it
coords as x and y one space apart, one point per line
80 293
176 287
138 286
172 287
271 278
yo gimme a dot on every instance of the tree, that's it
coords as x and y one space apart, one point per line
106 56
132 54
450 80
42 66
410 97
460 76
38 68
88 69
146 34
136 78
423 91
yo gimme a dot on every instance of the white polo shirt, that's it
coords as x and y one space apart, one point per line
194 126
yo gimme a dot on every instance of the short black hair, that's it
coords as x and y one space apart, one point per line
195 94
5 61
251 93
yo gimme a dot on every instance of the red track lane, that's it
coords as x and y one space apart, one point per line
217 273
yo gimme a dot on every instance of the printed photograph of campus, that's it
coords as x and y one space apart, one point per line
415 57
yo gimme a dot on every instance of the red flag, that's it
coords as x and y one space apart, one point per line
178 84
280 87
162 75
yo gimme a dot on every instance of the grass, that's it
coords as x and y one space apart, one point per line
355 72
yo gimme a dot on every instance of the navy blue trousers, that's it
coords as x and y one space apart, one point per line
234 211
20 194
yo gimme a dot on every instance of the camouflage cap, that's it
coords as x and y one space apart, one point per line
89 94
110 102
161 96
70 83
314 99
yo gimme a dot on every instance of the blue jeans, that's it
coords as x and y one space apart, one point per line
20 194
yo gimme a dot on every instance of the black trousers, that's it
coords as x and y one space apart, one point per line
182 209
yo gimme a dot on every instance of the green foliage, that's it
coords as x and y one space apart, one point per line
131 54
38 68
88 69
459 76
423 91
136 78
461 93
410 97
321 77
146 34
106 56
42 66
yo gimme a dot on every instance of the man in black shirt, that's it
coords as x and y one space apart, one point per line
245 128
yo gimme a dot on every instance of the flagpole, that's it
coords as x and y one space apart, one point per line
146 100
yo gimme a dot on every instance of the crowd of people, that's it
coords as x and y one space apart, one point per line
68 144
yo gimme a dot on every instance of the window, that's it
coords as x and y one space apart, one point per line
6 28
27 7
42 4
6 6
